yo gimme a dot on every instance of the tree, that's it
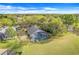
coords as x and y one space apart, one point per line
52 25
6 21
10 32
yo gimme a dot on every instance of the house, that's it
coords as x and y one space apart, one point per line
70 28
7 52
3 29
3 51
36 34
3 34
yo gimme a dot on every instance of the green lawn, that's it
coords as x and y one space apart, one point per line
7 44
67 44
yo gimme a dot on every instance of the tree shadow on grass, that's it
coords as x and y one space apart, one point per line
3 41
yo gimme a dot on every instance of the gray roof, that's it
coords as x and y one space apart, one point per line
32 29
3 29
2 36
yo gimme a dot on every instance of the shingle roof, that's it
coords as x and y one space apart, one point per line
32 29
3 29
2 51
2 35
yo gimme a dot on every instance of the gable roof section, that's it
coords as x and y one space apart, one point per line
3 29
32 29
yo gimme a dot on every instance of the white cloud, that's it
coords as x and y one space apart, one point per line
5 7
49 8
32 10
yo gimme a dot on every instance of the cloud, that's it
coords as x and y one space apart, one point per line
4 7
36 10
49 8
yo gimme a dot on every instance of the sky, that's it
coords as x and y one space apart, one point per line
39 8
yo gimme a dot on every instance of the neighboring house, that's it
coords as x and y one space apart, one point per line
7 52
17 28
3 35
36 34
3 29
70 28
3 51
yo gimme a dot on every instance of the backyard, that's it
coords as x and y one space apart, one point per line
67 44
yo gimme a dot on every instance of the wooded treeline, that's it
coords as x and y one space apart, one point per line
51 23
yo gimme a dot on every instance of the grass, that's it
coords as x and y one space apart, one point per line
67 44
13 45
7 44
